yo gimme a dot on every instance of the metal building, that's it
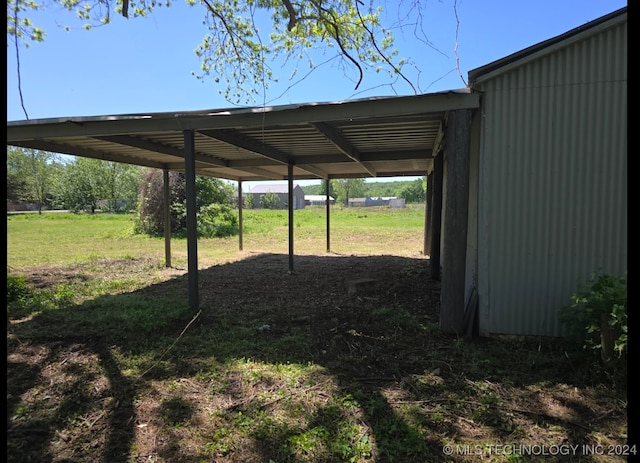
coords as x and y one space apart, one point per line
282 191
547 177
526 168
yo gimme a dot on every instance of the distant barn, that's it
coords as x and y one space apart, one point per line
283 195
369 201
318 200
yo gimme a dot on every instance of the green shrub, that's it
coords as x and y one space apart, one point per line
212 205
23 300
270 200
249 201
598 316
17 289
217 221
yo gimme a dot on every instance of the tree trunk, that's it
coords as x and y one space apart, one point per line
608 336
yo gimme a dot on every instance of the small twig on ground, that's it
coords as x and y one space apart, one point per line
170 347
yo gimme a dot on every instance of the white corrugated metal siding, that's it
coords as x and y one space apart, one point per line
552 180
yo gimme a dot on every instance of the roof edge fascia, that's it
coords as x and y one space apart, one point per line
243 118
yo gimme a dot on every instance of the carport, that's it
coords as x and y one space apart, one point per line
374 137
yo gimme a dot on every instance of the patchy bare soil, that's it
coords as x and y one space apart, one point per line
364 329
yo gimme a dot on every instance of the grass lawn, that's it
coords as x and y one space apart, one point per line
340 360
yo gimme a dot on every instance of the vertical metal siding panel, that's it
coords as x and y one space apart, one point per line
543 87
527 238
505 229
616 142
527 242
619 145
500 260
517 155
535 168
554 185
595 134
541 95
598 174
566 141
505 274
487 169
613 196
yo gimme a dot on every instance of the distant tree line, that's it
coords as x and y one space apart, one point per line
46 181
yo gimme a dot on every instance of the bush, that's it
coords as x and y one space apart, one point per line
213 211
17 289
598 316
150 217
217 221
270 200
249 202
22 300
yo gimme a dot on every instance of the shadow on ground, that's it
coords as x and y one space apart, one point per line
339 360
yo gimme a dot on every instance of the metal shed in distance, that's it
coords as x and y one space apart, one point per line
283 193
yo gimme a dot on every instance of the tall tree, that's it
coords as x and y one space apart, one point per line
120 186
235 51
84 184
332 188
31 174
414 192
377 189
87 181
349 188
16 181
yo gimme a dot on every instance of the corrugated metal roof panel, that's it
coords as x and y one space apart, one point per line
360 138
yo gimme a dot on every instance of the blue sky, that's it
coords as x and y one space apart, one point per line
145 65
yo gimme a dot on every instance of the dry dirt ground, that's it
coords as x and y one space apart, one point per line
369 323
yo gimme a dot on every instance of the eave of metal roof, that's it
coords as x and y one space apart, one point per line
372 137
518 58
195 114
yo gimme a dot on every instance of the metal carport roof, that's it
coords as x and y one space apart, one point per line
374 137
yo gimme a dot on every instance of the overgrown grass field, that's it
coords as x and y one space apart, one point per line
83 237
107 363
